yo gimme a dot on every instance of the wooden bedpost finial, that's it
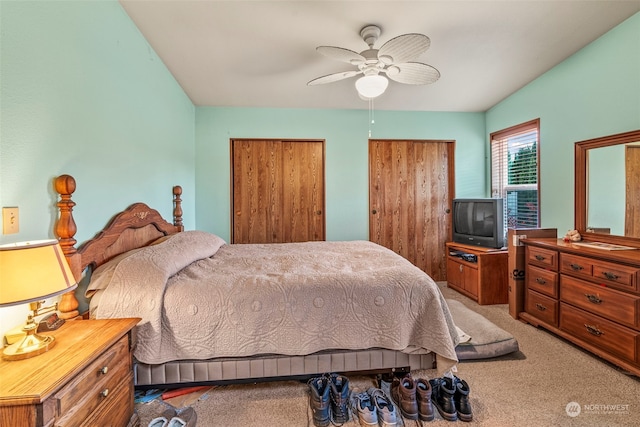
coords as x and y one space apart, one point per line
177 207
65 230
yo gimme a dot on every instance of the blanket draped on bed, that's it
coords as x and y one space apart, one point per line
200 298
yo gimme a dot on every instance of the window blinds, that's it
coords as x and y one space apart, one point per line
514 174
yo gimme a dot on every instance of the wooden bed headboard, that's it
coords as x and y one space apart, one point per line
135 227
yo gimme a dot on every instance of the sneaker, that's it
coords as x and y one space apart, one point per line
185 418
387 414
366 410
163 419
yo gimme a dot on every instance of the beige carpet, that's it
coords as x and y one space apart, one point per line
532 387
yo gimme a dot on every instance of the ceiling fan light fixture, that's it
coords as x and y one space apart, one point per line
371 86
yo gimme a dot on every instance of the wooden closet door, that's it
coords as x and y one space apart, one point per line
410 192
632 198
278 191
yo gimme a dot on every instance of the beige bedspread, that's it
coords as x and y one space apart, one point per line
200 298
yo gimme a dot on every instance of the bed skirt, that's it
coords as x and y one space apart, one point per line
275 367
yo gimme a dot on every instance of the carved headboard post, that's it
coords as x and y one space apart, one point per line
177 208
65 230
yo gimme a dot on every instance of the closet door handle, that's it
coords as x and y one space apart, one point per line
319 212
374 212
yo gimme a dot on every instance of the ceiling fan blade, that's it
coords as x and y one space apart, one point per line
413 73
330 78
344 55
403 48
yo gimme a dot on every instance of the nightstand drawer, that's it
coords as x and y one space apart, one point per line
610 303
542 307
95 384
543 281
595 330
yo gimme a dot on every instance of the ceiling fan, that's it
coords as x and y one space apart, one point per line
395 59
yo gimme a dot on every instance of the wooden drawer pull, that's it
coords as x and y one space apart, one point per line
593 330
540 307
593 298
105 392
576 267
104 370
610 276
541 281
540 258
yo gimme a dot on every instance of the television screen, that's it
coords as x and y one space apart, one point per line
478 222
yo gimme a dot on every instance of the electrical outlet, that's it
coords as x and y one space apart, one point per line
10 220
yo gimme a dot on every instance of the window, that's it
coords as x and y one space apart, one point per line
514 174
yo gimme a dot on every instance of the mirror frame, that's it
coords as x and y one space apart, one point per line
580 194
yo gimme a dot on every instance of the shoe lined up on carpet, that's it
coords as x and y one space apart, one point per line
413 398
186 417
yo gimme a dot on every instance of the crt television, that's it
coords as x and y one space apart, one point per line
478 222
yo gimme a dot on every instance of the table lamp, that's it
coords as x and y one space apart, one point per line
30 272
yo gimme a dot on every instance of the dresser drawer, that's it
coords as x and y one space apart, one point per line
611 337
543 281
542 307
95 384
542 257
610 303
621 276
576 265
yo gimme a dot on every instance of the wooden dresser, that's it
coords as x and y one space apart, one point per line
589 296
86 379
485 280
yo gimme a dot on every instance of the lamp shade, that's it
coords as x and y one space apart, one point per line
33 271
371 86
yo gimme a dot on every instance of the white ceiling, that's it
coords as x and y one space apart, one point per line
262 53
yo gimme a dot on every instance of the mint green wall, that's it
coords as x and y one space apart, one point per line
596 92
83 93
346 133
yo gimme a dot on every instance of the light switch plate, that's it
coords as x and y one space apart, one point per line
10 220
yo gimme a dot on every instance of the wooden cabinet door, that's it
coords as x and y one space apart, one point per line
410 193
278 191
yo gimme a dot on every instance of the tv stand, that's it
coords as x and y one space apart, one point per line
485 280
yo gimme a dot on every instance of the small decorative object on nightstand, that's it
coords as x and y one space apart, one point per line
30 272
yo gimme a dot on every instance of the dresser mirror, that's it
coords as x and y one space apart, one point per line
607 189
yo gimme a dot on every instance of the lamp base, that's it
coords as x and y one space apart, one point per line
32 345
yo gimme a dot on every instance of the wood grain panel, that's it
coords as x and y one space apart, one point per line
278 191
410 193
632 199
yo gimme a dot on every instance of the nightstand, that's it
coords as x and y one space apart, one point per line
86 379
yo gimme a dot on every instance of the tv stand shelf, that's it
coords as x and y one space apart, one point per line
484 281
